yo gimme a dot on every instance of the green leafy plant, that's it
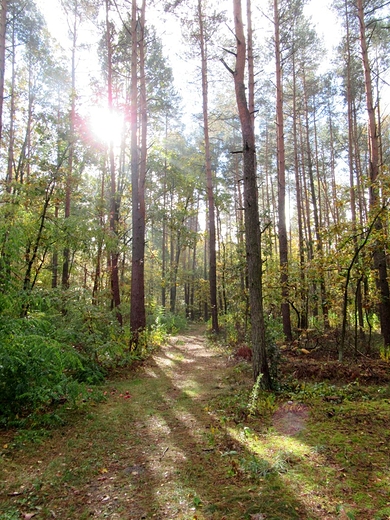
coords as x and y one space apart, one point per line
197 501
256 467
253 399
384 353
260 403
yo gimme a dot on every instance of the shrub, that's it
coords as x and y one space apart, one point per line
35 369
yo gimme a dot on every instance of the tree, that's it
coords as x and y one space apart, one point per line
380 260
137 302
3 22
252 220
209 174
281 162
114 195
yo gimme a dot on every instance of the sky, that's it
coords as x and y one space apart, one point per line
183 70
318 10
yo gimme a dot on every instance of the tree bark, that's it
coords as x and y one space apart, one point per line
209 178
252 224
351 162
281 161
137 299
302 292
114 195
69 173
3 28
380 260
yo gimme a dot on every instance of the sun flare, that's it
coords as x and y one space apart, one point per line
106 125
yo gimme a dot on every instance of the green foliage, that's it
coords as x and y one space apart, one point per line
197 502
234 329
50 356
35 369
10 514
63 347
261 403
165 322
307 391
274 332
341 511
256 467
252 405
384 353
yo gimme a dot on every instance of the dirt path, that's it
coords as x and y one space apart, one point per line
171 454
147 452
172 441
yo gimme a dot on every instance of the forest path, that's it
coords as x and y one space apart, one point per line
148 451
159 447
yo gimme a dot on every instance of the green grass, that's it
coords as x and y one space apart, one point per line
174 444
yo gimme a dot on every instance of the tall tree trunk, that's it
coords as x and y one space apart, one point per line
137 299
164 226
31 255
252 224
11 139
239 217
283 243
175 259
209 178
69 173
54 260
379 252
351 163
302 292
114 194
3 28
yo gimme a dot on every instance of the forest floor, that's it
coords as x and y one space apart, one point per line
185 435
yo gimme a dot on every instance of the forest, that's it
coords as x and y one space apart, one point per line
262 213
194 239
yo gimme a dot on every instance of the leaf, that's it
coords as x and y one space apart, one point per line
28 516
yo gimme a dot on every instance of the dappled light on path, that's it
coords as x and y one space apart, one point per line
175 441
191 455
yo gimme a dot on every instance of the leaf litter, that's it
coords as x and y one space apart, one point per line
174 440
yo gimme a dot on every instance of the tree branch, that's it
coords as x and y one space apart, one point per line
227 66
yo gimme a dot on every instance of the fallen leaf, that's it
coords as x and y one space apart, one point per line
27 516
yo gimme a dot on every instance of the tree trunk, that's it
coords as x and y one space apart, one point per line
282 235
114 195
252 224
137 299
209 179
69 173
11 139
302 292
379 252
3 27
351 162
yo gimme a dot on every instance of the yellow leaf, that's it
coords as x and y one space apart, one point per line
104 470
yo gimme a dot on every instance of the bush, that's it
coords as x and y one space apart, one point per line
170 323
35 369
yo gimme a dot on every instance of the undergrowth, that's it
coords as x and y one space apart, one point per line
61 350
173 442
